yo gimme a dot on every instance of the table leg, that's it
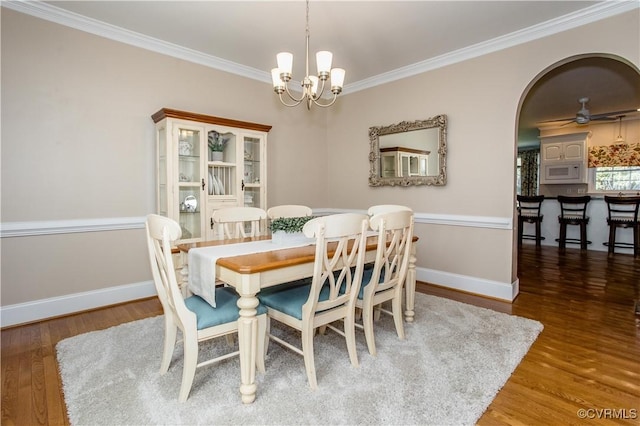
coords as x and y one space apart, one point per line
247 340
410 286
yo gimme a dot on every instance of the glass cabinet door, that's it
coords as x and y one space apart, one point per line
251 180
190 181
162 176
222 165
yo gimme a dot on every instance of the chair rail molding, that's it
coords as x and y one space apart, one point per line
50 227
440 219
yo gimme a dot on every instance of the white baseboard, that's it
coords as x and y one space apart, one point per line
22 313
479 286
47 308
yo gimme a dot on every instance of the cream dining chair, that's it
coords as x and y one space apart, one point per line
385 280
385 208
232 222
197 320
338 265
289 210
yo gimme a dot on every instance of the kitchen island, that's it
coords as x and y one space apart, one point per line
597 229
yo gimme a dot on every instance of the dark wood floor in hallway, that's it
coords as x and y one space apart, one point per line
586 358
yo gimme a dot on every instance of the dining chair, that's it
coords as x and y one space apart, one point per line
238 222
332 293
289 210
385 281
385 208
197 320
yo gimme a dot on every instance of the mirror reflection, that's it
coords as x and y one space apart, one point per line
409 153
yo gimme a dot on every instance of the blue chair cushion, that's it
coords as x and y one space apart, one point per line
226 309
366 279
284 286
290 300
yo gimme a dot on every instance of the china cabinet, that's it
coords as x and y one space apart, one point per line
205 163
403 162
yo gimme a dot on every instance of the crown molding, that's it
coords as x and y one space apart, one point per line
585 16
588 15
93 26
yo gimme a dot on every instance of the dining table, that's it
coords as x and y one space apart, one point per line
250 272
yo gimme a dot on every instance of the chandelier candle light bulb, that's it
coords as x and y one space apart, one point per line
312 89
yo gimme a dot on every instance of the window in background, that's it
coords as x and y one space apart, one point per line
615 178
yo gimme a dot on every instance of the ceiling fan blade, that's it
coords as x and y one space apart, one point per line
558 119
611 114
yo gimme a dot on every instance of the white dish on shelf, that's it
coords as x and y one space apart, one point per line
220 185
211 188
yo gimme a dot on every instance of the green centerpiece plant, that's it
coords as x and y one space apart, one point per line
288 228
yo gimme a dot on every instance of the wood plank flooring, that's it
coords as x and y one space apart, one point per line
587 357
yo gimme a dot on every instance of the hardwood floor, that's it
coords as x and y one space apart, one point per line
587 357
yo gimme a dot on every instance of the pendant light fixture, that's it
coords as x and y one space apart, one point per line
620 139
310 93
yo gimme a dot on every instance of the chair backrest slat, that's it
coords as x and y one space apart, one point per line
529 205
394 249
623 208
289 210
339 261
231 222
573 207
161 232
386 208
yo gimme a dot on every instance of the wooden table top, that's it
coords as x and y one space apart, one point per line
268 260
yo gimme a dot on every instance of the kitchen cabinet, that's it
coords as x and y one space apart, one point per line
563 159
571 147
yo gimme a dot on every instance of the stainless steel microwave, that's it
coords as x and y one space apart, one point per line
565 172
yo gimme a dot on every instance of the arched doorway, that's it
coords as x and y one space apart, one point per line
611 83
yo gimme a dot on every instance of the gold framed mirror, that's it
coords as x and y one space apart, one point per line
409 153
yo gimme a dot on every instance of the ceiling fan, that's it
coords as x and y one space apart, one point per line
583 116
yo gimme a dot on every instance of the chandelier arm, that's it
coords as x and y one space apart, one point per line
335 96
293 98
319 95
296 103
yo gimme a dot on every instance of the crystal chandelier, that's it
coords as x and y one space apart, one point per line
282 75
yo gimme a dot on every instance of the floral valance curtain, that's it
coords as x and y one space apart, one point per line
618 155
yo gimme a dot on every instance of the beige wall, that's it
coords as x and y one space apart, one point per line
481 98
77 143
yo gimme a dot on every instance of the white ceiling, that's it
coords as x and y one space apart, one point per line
375 41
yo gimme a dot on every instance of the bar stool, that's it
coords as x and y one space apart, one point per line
623 213
573 211
529 212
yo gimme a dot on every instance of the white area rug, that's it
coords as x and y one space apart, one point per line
454 361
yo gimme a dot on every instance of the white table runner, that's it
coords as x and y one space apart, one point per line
202 261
